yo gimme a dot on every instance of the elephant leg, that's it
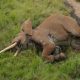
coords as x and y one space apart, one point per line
48 49
46 54
60 56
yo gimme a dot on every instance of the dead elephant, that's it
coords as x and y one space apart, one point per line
54 31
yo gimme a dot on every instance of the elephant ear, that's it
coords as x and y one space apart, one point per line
27 27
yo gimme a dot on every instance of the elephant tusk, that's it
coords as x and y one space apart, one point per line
16 52
9 47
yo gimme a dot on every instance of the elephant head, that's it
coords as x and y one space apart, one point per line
22 38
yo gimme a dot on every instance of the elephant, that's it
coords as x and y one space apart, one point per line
55 31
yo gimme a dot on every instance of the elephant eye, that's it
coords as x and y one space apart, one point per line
28 35
23 30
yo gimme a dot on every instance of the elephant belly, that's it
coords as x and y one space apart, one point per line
46 36
59 42
59 36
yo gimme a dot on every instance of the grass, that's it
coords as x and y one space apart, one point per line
28 65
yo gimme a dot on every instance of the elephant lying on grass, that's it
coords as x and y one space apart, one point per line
56 30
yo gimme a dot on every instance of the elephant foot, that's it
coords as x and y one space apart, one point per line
60 56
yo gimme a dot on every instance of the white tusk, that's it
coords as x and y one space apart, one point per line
9 47
16 52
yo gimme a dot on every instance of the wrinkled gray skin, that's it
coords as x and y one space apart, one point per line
57 30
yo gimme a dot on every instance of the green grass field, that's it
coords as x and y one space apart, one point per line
29 65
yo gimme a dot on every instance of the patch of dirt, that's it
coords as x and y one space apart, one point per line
75 6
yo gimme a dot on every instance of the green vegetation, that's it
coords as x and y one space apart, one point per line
29 65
